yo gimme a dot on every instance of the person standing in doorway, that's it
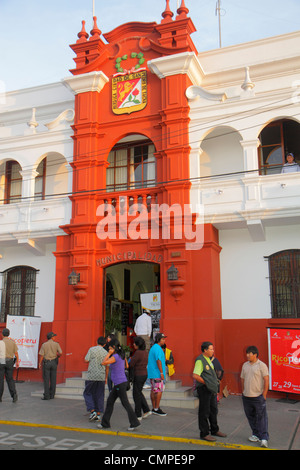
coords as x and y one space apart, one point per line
143 327
95 383
255 385
157 373
49 354
7 369
207 389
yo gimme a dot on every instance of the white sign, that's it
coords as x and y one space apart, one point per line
25 331
151 301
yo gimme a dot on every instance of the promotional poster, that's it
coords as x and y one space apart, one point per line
284 359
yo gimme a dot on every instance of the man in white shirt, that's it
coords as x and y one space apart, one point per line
143 327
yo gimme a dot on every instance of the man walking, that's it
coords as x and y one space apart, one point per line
207 388
95 384
7 369
143 327
157 373
49 354
255 385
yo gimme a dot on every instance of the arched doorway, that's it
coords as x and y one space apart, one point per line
124 282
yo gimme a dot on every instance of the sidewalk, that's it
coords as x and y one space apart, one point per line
180 424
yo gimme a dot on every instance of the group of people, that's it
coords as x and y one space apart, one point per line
255 385
107 360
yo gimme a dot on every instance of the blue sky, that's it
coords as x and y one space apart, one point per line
35 34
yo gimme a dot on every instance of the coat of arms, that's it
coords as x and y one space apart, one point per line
129 87
129 92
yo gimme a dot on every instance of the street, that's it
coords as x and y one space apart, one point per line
38 437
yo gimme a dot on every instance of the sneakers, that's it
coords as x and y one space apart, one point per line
158 412
253 438
93 416
148 413
131 428
264 443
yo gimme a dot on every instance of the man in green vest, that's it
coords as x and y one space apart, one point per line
207 388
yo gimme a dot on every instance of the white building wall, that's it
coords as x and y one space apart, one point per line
244 270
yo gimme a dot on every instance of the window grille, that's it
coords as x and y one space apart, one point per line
284 270
18 292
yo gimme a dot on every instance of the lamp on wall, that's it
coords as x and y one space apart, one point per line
74 278
172 273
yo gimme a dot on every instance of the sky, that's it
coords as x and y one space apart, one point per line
36 34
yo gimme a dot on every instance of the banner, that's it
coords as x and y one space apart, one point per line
151 302
25 331
284 359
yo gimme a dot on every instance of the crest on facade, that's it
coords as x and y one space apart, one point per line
129 87
129 92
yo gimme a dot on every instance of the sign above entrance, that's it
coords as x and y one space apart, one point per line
130 256
129 92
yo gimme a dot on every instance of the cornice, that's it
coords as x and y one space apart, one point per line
178 64
88 82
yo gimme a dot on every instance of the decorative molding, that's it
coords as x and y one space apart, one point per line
176 64
92 81
195 92
67 115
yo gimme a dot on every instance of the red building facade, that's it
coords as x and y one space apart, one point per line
157 112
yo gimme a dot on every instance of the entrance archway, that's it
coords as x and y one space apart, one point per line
124 282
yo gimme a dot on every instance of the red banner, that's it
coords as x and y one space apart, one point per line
284 359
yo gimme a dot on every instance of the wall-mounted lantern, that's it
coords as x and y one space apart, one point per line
74 278
172 273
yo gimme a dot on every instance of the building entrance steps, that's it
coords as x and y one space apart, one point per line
175 394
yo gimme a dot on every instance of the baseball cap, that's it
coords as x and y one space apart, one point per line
50 335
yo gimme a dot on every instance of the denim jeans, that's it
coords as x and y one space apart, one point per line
94 395
256 412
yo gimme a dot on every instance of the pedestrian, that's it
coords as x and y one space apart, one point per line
109 337
11 358
116 361
95 381
49 354
207 388
157 373
170 369
138 374
143 327
290 166
255 385
219 372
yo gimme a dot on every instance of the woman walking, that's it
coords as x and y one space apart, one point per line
116 360
138 371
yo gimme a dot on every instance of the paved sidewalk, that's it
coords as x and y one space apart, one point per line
180 424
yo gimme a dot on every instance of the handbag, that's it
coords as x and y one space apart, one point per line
128 381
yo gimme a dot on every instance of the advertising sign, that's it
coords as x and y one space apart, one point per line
25 331
284 359
151 301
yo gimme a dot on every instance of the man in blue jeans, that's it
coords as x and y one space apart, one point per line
255 385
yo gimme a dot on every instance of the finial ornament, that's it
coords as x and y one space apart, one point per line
83 35
95 32
182 10
167 14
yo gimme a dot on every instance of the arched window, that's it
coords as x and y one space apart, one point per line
284 268
18 292
131 166
276 141
13 182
